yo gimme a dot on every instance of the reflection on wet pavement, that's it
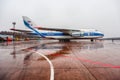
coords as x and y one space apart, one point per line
76 57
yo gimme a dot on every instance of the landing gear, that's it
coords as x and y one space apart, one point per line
92 40
64 40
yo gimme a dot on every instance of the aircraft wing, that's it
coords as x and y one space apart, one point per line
23 31
19 30
67 31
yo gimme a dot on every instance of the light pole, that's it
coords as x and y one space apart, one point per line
14 52
14 23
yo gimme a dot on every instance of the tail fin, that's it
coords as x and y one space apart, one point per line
28 22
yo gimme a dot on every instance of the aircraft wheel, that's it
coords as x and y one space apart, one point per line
92 40
64 40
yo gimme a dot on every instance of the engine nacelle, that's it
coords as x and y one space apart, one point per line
77 34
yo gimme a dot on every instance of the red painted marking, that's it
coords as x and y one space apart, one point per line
94 62
85 60
115 66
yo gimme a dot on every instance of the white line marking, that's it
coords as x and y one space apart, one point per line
51 65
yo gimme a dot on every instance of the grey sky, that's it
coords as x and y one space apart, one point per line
103 15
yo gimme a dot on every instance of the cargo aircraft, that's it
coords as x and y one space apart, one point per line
59 34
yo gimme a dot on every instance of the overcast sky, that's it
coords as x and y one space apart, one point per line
103 15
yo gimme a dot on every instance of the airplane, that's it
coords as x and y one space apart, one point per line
60 34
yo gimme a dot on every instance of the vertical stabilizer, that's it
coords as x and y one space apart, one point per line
30 24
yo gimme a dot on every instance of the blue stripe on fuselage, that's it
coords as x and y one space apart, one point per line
62 34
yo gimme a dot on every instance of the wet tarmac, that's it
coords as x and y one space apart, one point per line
75 60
